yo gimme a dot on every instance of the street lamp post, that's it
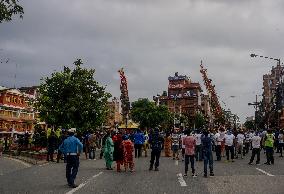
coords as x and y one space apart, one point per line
278 63
255 104
271 58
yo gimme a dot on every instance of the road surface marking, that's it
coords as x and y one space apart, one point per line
19 161
268 174
83 184
181 180
176 162
44 164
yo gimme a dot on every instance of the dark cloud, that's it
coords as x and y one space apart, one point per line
151 40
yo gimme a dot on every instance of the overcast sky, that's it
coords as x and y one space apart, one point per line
151 39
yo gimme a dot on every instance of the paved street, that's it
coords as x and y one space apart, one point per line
236 177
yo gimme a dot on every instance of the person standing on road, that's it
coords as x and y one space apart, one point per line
71 147
189 143
183 146
198 148
103 145
168 144
118 152
256 141
51 146
61 140
1 146
207 153
108 151
218 143
229 145
240 144
92 146
269 143
247 143
138 143
146 143
128 149
281 142
175 144
155 141
222 137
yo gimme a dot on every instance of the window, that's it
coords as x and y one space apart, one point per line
8 99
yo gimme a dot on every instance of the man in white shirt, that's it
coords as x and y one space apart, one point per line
247 143
198 148
218 143
256 140
240 144
229 145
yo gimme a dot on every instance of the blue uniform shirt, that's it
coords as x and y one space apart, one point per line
71 145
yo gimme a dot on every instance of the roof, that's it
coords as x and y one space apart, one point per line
130 125
2 88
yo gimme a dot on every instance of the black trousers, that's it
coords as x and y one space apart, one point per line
186 163
255 151
155 157
229 150
198 153
269 155
208 159
246 148
218 152
280 146
138 149
72 167
49 155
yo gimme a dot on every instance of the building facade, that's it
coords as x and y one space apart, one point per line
114 116
183 96
16 114
270 83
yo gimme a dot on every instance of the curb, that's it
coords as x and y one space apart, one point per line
27 160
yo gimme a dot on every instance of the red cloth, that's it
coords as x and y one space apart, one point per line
189 142
128 149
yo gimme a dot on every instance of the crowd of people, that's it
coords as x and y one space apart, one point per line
189 146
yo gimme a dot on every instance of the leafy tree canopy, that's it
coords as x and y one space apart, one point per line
8 8
199 121
148 114
72 98
249 125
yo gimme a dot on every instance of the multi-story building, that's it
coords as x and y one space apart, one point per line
270 82
183 96
114 116
16 114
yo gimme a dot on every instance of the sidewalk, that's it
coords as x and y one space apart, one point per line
26 159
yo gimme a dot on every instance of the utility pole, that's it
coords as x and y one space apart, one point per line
255 105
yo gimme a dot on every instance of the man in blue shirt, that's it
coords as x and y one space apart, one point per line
207 153
71 147
138 143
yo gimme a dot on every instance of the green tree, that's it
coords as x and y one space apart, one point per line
249 125
72 98
8 8
148 114
199 121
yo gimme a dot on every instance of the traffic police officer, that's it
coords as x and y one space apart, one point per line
71 147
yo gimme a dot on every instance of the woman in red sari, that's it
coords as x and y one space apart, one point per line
128 149
118 151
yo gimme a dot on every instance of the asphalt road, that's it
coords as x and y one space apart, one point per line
236 177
